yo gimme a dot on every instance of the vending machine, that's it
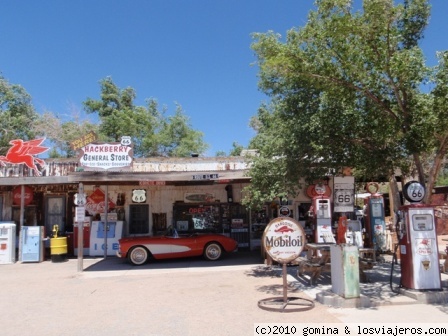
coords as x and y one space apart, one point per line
31 247
7 242
418 242
374 221
102 235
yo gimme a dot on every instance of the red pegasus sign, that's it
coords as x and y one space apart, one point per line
21 152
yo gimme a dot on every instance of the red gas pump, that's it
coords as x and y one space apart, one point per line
374 222
418 242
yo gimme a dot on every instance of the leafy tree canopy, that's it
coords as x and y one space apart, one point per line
16 114
63 133
347 90
152 132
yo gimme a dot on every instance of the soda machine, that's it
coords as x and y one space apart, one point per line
31 247
374 221
7 242
102 235
418 242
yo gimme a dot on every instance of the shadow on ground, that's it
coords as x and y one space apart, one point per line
112 263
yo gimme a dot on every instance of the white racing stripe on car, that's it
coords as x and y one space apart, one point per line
179 248
163 248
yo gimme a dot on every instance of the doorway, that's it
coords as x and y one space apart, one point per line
54 213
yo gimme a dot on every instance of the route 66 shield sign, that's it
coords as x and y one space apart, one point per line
138 195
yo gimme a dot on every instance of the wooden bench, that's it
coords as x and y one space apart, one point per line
306 266
364 264
313 267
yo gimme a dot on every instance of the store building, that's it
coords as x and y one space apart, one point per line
193 194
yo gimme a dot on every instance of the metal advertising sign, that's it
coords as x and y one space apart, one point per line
84 140
284 239
17 195
22 152
344 194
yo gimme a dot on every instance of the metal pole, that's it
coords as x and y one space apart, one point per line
106 210
80 233
285 285
22 205
80 245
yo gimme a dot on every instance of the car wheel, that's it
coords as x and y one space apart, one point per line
212 251
138 255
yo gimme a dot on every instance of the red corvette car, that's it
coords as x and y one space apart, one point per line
173 245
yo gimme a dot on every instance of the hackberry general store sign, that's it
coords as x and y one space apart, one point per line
106 156
284 239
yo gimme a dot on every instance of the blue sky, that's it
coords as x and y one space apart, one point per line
192 52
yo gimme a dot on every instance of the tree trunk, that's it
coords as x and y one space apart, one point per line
394 195
435 169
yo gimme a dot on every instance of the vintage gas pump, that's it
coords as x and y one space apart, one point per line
321 213
418 242
374 222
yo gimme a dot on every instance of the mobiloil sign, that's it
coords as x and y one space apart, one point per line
284 239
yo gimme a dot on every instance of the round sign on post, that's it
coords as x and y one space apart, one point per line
413 191
17 195
284 239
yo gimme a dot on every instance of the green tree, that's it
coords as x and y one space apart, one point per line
220 153
236 149
152 133
16 114
177 138
63 133
347 91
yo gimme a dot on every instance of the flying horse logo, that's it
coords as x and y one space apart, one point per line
23 151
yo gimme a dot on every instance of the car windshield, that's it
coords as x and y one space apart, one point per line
171 232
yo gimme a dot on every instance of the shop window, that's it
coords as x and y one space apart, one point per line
197 218
138 219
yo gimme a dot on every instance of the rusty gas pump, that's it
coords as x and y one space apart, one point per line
418 242
374 221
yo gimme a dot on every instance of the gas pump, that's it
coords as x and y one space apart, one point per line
321 213
374 222
418 241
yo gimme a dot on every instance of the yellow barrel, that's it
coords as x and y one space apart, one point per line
58 249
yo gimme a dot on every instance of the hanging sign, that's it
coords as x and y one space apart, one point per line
83 141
